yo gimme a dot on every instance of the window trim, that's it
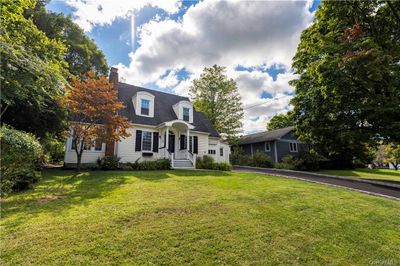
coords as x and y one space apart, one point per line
151 141
293 147
92 147
183 114
101 145
137 103
265 147
141 107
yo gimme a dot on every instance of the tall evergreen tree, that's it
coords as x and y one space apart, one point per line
217 96
348 91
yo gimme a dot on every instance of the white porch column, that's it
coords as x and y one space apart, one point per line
166 138
187 141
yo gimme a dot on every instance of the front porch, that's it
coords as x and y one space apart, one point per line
177 144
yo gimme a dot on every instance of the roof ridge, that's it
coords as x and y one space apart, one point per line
268 131
163 92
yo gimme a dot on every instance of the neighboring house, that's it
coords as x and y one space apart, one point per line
163 126
275 143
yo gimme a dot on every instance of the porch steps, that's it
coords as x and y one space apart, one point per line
184 164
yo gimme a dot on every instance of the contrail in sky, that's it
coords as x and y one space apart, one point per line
133 30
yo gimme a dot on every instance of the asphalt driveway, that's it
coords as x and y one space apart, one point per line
353 184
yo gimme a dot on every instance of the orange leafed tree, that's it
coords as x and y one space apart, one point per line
93 105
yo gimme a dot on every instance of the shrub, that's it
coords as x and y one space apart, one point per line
207 162
222 166
290 162
260 159
162 164
53 148
238 157
20 157
307 161
204 162
109 163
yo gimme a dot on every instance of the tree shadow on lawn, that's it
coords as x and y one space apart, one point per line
59 190
62 189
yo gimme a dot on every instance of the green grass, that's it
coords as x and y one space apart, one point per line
374 174
194 217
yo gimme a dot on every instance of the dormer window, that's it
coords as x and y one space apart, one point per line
186 114
184 111
144 107
143 103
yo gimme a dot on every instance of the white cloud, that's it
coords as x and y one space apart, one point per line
89 13
227 33
168 81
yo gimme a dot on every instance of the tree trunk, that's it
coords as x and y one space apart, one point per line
78 162
79 151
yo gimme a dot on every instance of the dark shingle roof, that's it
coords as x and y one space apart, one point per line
265 136
163 110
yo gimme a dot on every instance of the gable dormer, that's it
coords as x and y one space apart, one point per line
184 111
143 102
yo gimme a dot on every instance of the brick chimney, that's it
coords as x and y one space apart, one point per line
113 78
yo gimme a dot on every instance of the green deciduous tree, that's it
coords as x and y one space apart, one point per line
82 53
280 121
393 155
217 96
79 54
32 65
348 91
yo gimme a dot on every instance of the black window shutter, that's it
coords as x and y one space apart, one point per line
165 139
195 144
155 141
183 142
138 146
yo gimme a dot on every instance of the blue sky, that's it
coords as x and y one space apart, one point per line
164 45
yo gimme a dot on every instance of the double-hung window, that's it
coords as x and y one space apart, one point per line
267 147
186 114
73 144
98 145
144 107
221 151
293 147
87 147
146 140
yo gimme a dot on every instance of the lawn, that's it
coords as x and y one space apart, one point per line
193 217
375 174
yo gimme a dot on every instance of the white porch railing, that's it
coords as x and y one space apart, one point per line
192 158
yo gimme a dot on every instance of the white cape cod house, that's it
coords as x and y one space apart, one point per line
163 126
